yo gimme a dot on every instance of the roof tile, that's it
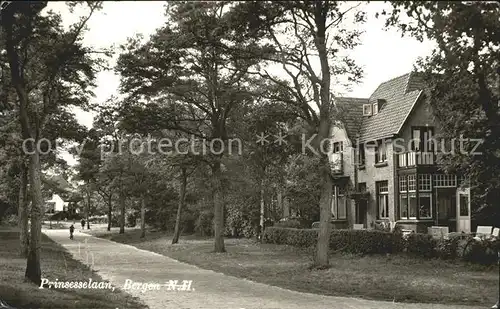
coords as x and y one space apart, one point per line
400 94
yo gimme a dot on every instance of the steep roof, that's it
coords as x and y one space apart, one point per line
400 94
350 113
57 183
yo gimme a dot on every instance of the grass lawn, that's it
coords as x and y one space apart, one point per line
395 278
56 263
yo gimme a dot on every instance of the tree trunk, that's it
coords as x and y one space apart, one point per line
23 211
321 258
143 216
218 200
122 210
182 195
33 271
88 207
110 210
279 197
325 213
262 209
286 208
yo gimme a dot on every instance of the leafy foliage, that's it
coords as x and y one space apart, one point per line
462 75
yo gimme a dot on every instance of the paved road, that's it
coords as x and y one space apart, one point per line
118 262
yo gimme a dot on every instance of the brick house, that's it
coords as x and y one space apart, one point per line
385 163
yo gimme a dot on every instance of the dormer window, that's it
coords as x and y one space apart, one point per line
375 108
367 109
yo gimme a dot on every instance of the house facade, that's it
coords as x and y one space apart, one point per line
56 204
385 161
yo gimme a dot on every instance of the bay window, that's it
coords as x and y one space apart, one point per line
403 205
425 196
411 206
407 197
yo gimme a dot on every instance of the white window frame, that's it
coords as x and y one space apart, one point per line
338 147
380 151
335 204
367 109
424 182
445 181
382 195
426 194
412 193
411 190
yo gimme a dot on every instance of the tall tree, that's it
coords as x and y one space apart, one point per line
49 70
176 165
190 68
107 131
310 40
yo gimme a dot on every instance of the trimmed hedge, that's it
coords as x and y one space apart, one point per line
349 241
379 242
420 245
476 251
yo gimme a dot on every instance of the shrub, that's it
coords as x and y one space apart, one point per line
363 241
290 236
398 241
420 245
204 224
349 241
188 222
131 220
479 251
10 220
446 249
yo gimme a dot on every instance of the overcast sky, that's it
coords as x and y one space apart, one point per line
383 54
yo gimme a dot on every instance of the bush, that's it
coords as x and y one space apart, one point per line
478 251
249 231
420 245
204 224
131 220
363 241
349 241
290 236
188 222
446 249
98 220
10 220
379 242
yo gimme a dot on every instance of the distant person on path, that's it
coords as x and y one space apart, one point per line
71 230
83 224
